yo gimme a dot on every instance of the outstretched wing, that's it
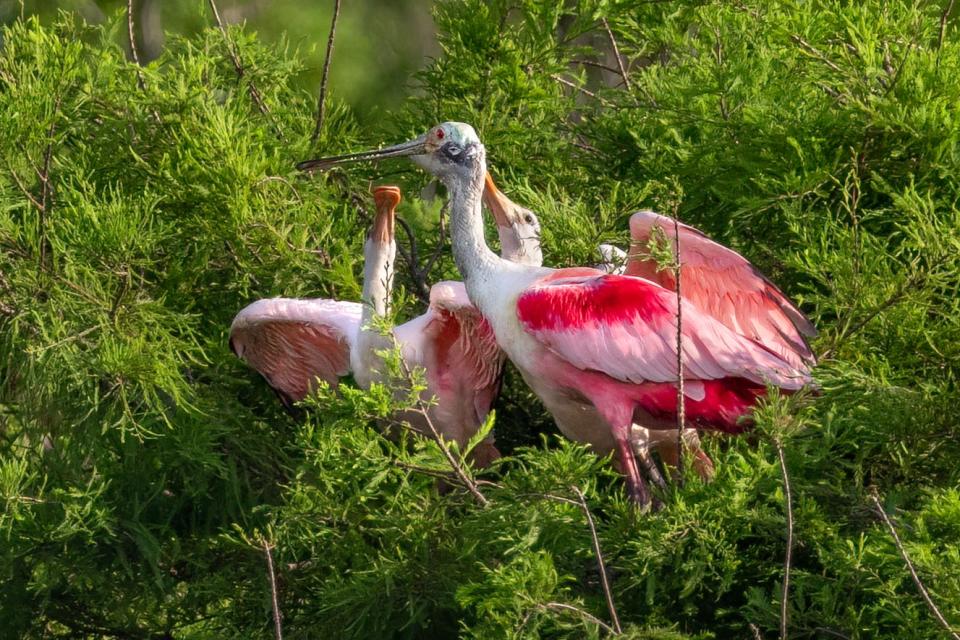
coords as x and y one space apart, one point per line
723 284
625 327
292 342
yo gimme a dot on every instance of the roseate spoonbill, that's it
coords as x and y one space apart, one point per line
506 212
292 342
723 284
587 342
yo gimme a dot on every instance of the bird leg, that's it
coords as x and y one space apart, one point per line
636 487
702 463
642 449
484 454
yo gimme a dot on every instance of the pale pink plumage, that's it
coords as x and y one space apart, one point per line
292 342
722 283
461 358
625 328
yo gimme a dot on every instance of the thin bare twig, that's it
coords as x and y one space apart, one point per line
816 53
45 182
875 496
616 54
832 632
586 92
141 81
598 65
238 67
899 70
585 614
788 558
427 268
281 179
71 338
943 27
412 258
421 274
26 192
462 476
916 280
681 400
433 473
322 98
277 619
133 45
614 618
756 631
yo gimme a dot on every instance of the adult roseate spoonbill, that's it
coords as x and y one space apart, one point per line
718 281
293 342
644 440
586 341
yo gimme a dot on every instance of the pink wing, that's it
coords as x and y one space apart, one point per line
625 327
723 284
293 342
465 351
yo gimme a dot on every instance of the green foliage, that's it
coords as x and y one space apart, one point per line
143 468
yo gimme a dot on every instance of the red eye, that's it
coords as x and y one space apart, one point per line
440 134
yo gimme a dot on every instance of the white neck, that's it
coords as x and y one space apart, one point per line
476 262
377 287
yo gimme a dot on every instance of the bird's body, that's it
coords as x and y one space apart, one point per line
590 343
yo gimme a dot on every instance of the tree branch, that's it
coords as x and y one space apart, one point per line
616 54
582 90
26 192
875 496
133 45
322 98
813 51
943 27
238 67
462 476
440 243
277 618
421 288
788 558
560 606
614 618
901 292
681 400
44 176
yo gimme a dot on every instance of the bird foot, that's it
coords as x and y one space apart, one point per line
651 469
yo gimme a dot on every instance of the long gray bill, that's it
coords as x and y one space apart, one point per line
413 147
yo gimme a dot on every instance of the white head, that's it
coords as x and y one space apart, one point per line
518 227
448 150
453 152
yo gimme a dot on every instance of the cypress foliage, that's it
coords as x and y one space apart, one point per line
144 469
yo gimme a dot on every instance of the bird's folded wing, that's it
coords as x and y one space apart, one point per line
625 327
292 342
725 285
464 344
